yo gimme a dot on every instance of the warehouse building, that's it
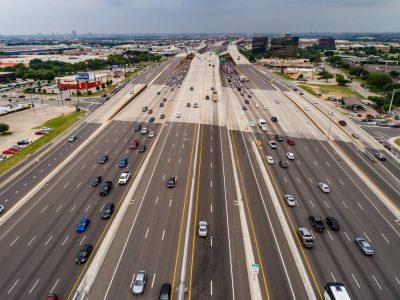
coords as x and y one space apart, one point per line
82 81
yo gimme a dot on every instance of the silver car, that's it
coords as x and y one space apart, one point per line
290 200
324 187
139 282
202 228
364 246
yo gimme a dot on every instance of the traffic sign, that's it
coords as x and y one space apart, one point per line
255 269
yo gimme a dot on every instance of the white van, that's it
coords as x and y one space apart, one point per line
261 123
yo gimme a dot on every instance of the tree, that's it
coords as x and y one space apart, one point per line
394 74
103 86
4 128
379 80
326 75
301 76
341 81
97 88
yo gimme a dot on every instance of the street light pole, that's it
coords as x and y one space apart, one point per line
391 102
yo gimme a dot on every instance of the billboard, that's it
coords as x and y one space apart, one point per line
85 76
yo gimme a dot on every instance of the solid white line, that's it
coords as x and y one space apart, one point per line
377 282
45 244
147 232
65 240
82 240
163 234
355 280
152 282
9 291
44 208
34 286
58 208
14 241
54 286
32 240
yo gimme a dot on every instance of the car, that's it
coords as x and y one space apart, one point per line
207 97
105 188
202 229
162 116
301 93
278 137
290 200
72 138
252 124
9 151
103 159
165 292
306 237
158 93
273 145
96 181
290 155
246 101
164 99
188 104
317 223
178 114
332 223
2 209
191 88
134 144
139 282
150 111
330 112
25 141
324 187
123 162
161 104
138 127
152 134
270 159
142 148
315 102
380 156
170 99
195 105
249 96
257 106
265 107
144 108
284 163
364 246
124 177
171 182
291 142
83 253
274 119
52 296
306 108
82 225
151 120
342 122
107 211
244 107
40 133
355 135
144 131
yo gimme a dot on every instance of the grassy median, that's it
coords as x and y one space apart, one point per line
330 90
397 142
58 124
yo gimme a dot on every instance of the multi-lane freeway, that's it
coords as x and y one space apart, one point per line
216 154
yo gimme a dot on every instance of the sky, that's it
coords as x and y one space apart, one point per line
198 16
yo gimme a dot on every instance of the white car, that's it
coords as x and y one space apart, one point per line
257 106
306 108
290 155
315 102
252 124
178 114
202 228
144 130
152 134
265 107
139 283
330 113
123 179
170 98
324 187
290 200
195 105
273 145
1 209
270 159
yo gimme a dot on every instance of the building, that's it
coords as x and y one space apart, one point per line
308 73
285 63
327 43
82 81
259 44
6 76
284 46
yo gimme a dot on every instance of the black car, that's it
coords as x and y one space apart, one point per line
142 148
164 99
105 188
165 292
162 116
103 159
332 223
188 104
96 181
151 120
274 119
83 253
138 127
246 101
317 223
244 107
171 182
279 138
249 96
107 211
161 104
207 97
283 163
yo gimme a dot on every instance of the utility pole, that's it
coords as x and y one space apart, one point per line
391 102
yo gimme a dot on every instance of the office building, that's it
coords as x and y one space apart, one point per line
284 46
327 43
259 44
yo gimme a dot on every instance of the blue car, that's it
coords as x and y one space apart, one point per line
83 224
123 163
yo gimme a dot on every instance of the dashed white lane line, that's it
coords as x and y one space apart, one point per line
367 237
15 283
30 242
384 237
183 145
354 277
170 202
326 204
147 232
211 208
97 151
329 235
344 203
327 164
163 234
94 167
341 181
26 184
72 209
67 184
66 239
83 166
157 200
309 178
211 183
14 241
152 282
328 181
377 283
211 149
305 148
54 286
102 207
34 286
316 149
315 163
284 178
163 177
45 244
211 240
298 180
16 192
133 278
87 208
44 208
211 288
169 158
398 281
359 205
82 240
78 185
334 279
312 204
211 165
173 145
347 236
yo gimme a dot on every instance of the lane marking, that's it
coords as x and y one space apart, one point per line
347 236
359 205
170 202
78 185
87 208
147 232
341 181
15 283
54 286
66 185
309 178
329 235
355 280
82 240
45 244
163 234
14 241
312 204
334 279
377 283
152 282
44 209
367 237
387 241
344 203
133 277
32 240
211 288
65 240
211 208
72 209
34 286
157 200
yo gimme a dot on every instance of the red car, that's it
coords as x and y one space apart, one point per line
9 151
134 144
291 142
40 133
52 297
342 122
